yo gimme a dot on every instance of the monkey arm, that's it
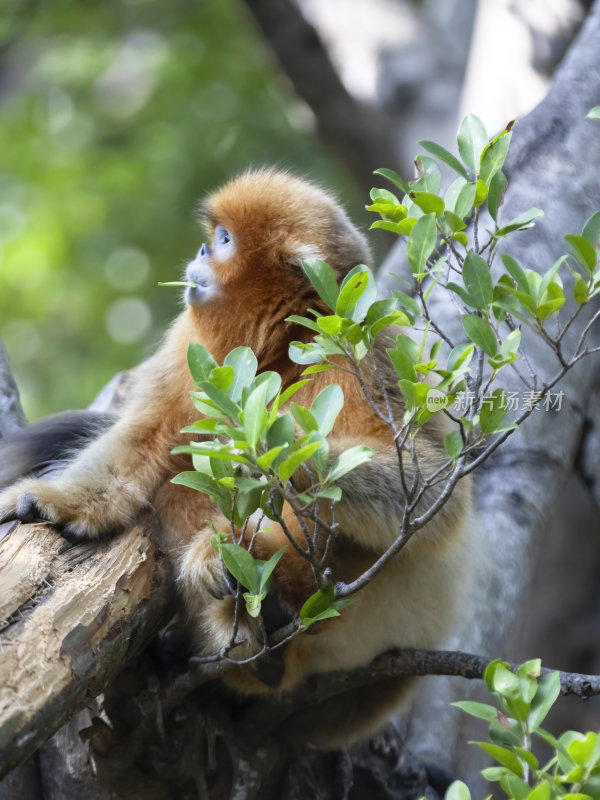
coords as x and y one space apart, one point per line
110 480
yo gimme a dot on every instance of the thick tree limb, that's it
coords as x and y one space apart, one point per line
69 622
554 164
358 134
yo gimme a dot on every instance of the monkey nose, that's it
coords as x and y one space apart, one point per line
204 251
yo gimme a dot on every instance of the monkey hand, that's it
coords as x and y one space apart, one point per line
201 569
80 510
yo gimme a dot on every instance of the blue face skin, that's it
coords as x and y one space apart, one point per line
201 271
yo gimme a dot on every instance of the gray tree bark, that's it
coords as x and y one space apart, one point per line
555 158
554 163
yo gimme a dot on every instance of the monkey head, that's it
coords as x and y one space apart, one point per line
261 225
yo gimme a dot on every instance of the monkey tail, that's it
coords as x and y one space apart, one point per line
47 446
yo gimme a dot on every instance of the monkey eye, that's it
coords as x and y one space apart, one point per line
222 235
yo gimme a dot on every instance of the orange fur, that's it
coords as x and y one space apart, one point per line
272 220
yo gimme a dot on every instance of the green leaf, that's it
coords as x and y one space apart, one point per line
383 194
453 222
196 480
543 791
254 602
586 750
503 756
302 353
318 602
497 774
463 294
330 493
443 155
583 251
349 460
415 393
397 317
479 710
581 291
200 362
516 787
493 157
244 363
407 302
392 212
323 280
291 390
178 283
481 192
593 113
421 243
489 675
394 178
295 459
359 289
520 223
591 230
428 202
281 432
222 378
465 200
379 309
516 272
471 139
554 298
457 791
403 364
304 321
248 502
332 324
222 401
480 332
496 193
350 294
304 418
477 278
549 277
241 564
317 368
459 355
267 568
547 693
493 411
266 459
326 406
402 228
429 177
452 193
255 415
454 445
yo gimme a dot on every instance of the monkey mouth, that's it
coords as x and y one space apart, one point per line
204 289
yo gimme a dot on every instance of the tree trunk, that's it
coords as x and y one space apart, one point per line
77 621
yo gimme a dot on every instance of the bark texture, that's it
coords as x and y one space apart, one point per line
553 164
69 622
358 134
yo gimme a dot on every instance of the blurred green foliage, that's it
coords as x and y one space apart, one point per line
115 117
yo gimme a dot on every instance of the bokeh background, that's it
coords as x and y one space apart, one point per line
116 117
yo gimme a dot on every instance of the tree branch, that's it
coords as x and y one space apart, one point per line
70 620
360 135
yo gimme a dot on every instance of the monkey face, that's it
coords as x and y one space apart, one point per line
260 226
201 270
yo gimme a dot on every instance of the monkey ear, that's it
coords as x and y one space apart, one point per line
299 253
